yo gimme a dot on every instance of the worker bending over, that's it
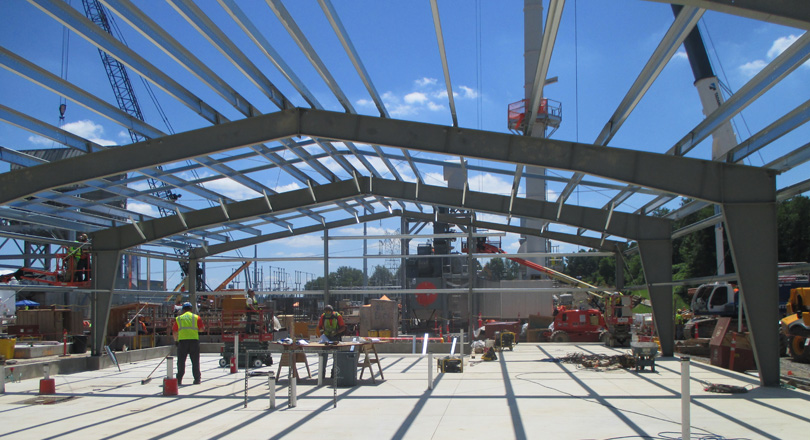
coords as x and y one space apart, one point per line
187 329
331 324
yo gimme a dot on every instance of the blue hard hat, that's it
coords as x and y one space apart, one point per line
186 304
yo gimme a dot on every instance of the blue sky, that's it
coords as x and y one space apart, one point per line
596 61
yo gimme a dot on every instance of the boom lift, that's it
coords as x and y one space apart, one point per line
611 325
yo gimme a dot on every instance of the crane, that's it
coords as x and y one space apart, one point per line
128 102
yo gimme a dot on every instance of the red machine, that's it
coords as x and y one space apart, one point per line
66 274
576 325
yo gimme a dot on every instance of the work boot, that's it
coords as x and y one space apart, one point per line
179 381
196 381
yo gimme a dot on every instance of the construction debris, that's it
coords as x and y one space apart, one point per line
599 361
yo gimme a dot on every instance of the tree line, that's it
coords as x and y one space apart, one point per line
693 255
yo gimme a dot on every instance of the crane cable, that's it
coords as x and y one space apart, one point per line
64 71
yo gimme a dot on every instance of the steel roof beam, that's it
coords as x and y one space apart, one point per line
793 57
197 18
786 62
171 47
256 36
53 83
199 253
154 33
591 242
700 179
437 25
343 36
298 36
63 13
623 225
695 178
104 41
793 13
672 40
787 123
258 39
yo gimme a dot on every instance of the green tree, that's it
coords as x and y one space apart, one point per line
344 276
381 277
793 218
607 271
583 268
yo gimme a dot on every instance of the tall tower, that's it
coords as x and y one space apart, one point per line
535 176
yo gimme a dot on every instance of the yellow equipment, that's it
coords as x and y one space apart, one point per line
796 325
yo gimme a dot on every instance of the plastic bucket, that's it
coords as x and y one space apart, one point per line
169 387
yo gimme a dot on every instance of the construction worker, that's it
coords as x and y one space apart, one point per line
80 257
679 324
186 330
331 324
252 312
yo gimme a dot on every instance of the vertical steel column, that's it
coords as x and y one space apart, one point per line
104 270
751 231
656 259
619 270
471 277
325 267
191 283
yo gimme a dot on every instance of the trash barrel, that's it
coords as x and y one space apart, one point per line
7 347
79 344
345 363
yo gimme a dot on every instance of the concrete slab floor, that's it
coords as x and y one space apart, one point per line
522 395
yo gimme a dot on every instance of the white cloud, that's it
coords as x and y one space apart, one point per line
680 55
428 96
491 184
552 195
780 45
415 98
364 103
372 230
299 241
435 107
39 140
289 187
140 186
423 82
435 179
88 130
752 68
401 110
142 208
231 189
467 92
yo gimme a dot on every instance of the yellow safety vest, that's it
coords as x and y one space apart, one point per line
330 325
187 326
